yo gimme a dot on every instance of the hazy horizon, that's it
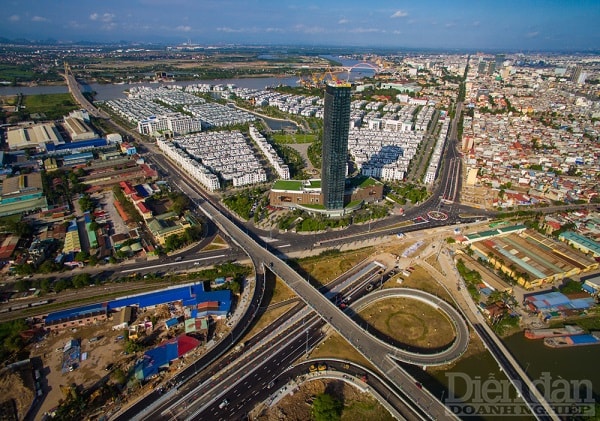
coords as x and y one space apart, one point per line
552 25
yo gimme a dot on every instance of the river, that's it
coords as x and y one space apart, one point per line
105 92
576 364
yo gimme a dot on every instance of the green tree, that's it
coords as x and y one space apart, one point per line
119 377
132 347
45 285
82 256
180 203
86 203
82 280
10 338
61 285
327 408
22 285
570 287
49 266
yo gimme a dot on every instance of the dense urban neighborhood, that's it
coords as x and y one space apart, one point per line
161 231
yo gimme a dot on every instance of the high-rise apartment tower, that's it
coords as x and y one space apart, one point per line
335 144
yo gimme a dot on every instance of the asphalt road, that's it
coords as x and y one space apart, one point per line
364 342
455 350
262 253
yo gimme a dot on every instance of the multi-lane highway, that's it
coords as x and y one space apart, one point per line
261 362
369 346
374 350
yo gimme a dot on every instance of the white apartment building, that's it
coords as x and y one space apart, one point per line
177 123
194 168
282 169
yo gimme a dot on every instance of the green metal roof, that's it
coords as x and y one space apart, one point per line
581 240
512 229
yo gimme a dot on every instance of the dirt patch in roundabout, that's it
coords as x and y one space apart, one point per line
408 324
357 405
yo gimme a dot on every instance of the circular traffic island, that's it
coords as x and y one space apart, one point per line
408 324
437 215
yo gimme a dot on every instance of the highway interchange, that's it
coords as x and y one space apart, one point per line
260 250
413 402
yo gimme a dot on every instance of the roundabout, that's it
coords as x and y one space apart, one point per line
437 215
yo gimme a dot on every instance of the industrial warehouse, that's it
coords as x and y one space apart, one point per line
192 296
527 256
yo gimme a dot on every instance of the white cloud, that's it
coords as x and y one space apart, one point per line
228 29
343 21
365 30
532 34
106 17
39 19
14 18
183 28
399 14
450 25
274 30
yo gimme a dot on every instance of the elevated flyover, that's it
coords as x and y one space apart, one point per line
81 100
370 347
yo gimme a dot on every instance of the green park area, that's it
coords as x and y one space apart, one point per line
294 137
53 106
21 73
42 107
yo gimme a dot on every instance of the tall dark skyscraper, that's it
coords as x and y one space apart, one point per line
335 144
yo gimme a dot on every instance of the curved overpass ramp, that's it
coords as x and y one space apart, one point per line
366 344
455 350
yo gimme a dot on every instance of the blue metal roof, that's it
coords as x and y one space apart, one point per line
171 322
141 190
51 147
78 156
189 295
75 313
584 339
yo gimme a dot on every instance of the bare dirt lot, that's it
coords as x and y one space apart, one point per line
297 407
14 388
99 354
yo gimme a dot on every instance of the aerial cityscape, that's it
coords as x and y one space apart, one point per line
299 211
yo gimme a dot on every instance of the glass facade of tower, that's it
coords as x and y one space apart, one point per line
335 144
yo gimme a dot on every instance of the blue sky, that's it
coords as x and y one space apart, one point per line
520 25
